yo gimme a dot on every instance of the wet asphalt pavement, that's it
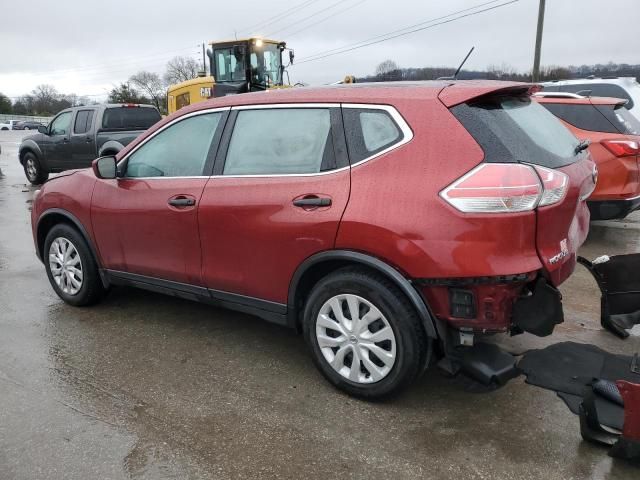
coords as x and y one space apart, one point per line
145 386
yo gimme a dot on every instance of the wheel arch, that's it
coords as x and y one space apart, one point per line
55 216
317 266
111 147
29 146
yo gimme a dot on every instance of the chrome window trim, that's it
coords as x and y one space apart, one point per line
407 136
162 129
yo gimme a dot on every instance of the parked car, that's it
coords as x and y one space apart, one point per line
612 87
27 125
614 136
387 222
5 126
78 135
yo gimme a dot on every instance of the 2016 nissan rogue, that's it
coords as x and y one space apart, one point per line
388 222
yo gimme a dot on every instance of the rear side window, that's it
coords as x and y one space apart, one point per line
517 129
584 117
619 116
600 90
301 143
83 121
129 118
369 131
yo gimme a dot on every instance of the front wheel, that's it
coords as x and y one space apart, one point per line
33 169
364 335
27 128
71 268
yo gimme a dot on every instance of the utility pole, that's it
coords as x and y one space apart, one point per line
204 63
536 58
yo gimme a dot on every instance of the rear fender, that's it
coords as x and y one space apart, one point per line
110 146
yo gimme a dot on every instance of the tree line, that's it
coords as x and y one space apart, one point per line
390 71
143 87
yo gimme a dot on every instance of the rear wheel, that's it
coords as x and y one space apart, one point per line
33 169
71 268
364 335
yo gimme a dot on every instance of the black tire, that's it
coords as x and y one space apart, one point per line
413 347
91 290
33 169
27 128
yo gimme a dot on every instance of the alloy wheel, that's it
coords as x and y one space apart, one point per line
32 169
355 338
65 265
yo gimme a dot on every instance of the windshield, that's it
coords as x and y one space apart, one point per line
517 129
265 64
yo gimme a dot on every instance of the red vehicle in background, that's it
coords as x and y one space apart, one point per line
614 134
390 223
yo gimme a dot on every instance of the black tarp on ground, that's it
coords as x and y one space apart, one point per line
568 368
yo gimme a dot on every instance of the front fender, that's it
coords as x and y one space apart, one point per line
30 145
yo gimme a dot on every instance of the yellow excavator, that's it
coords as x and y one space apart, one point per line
237 66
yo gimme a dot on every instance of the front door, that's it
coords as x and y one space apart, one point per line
83 147
146 222
57 147
276 197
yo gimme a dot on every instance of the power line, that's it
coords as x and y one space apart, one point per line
384 35
320 56
295 23
353 5
278 16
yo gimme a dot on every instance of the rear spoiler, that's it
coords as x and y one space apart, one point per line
463 91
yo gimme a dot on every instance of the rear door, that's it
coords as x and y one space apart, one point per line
83 149
146 222
280 186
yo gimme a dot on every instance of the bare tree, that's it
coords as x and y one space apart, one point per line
386 67
151 85
180 69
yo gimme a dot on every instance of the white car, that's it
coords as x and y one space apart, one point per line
616 87
6 126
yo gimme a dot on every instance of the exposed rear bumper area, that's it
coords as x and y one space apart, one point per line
612 209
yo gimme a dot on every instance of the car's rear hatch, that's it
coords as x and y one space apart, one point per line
511 128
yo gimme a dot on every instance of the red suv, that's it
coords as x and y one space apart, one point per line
390 223
614 134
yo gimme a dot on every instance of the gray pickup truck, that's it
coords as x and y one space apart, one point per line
78 135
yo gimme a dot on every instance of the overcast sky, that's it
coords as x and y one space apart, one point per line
88 46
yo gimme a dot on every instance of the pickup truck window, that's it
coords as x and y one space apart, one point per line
129 118
61 124
83 121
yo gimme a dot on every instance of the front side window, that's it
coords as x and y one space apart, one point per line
301 143
61 124
180 150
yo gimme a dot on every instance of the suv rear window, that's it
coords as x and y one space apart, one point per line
517 129
599 90
584 117
129 118
619 116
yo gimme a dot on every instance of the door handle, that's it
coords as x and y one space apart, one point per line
312 202
182 202
89 139
65 140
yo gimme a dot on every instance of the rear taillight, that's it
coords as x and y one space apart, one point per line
506 188
554 185
622 148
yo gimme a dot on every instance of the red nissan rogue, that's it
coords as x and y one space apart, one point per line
390 223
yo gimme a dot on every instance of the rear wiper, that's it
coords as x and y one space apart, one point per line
583 145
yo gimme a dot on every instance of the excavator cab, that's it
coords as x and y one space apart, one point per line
247 65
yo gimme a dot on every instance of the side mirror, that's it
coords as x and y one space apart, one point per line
42 129
105 167
291 56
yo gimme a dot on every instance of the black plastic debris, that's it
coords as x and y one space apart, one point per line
618 278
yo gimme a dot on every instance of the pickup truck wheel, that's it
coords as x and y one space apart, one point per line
71 268
364 335
33 170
